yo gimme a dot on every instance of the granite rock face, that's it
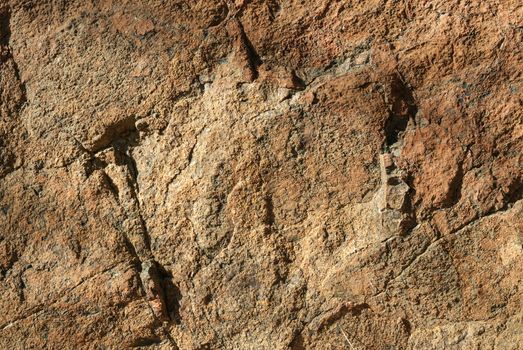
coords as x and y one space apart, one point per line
270 174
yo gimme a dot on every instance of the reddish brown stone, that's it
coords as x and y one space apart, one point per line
261 174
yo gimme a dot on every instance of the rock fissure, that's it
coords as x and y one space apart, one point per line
7 58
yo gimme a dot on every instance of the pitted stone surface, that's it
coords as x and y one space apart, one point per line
261 174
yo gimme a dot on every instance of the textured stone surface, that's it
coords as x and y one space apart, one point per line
261 174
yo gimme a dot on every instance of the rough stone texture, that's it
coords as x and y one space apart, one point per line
261 174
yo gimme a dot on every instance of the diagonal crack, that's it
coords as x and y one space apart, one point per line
117 162
429 246
188 161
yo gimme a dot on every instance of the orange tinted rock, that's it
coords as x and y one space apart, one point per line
261 174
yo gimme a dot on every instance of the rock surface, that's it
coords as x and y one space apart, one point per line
261 174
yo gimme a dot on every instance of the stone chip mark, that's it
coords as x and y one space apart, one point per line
115 130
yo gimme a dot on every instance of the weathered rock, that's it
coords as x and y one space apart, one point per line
261 174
